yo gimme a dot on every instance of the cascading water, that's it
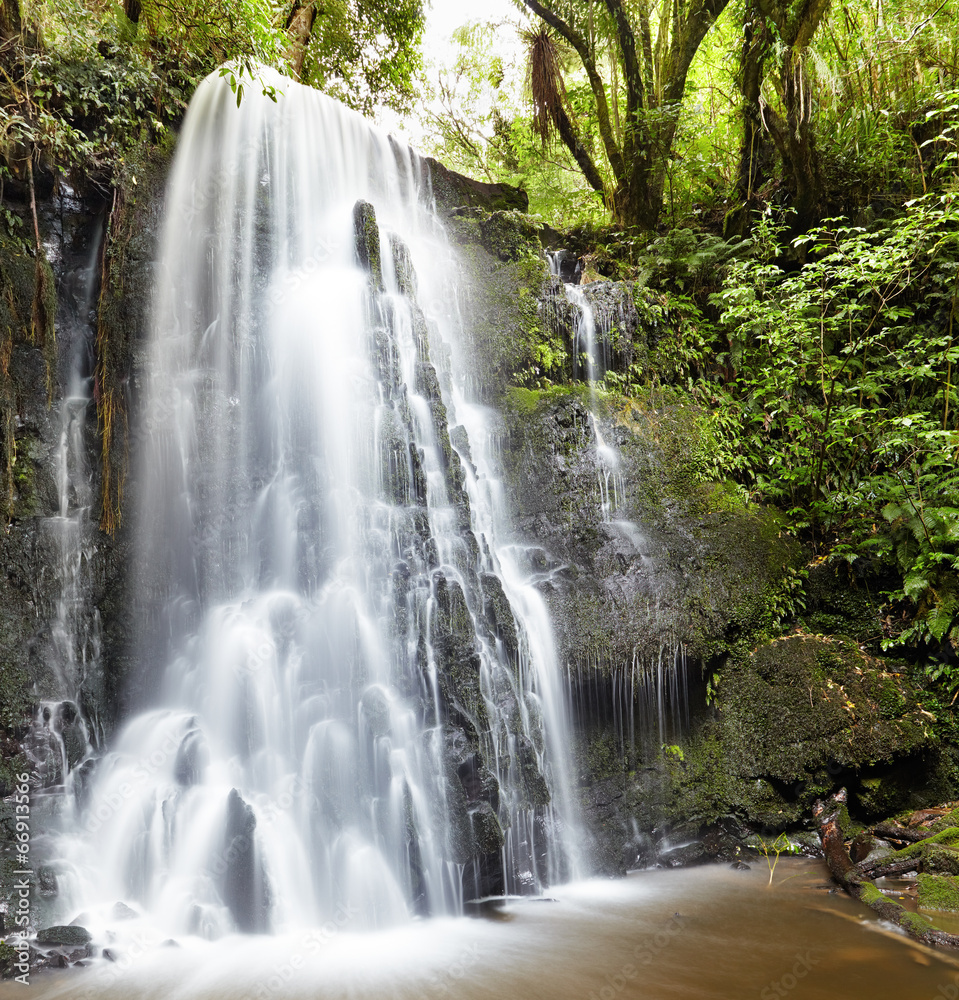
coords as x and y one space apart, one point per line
59 742
350 708
590 361
647 700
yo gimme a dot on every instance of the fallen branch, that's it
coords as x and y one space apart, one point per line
884 867
849 876
892 831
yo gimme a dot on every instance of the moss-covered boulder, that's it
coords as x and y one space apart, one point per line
939 859
790 722
938 892
805 703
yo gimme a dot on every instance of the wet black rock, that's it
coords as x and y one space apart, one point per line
243 885
191 758
64 934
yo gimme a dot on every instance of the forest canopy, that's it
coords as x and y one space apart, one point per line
85 82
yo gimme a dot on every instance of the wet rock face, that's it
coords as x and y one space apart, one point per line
62 657
640 557
647 571
243 886
454 192
635 554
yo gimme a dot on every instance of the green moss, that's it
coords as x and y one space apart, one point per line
948 839
938 892
951 819
366 234
940 860
27 310
503 264
794 718
509 235
869 894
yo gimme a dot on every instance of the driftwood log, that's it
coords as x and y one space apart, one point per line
892 831
856 879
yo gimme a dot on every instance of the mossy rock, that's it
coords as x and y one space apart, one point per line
938 892
835 605
792 721
485 825
504 268
951 819
64 934
509 235
366 235
454 192
940 860
803 703
650 551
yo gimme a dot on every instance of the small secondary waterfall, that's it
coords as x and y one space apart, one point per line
590 362
350 706
59 742
646 701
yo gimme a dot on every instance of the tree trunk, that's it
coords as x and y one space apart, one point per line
797 23
640 201
300 26
10 23
754 149
797 143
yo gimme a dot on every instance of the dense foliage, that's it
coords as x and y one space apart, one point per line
813 106
783 174
85 83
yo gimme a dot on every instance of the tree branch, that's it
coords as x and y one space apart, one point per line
635 91
829 820
613 153
580 154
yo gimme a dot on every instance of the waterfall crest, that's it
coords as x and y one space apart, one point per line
350 706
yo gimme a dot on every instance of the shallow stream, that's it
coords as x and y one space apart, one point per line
710 933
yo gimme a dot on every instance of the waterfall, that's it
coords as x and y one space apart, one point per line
350 707
590 363
646 702
60 737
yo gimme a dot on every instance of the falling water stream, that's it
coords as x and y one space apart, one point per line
60 739
647 702
351 714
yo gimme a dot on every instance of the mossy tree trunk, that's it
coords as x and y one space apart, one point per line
637 147
830 817
754 149
792 128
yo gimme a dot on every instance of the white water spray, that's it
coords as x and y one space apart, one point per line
351 709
